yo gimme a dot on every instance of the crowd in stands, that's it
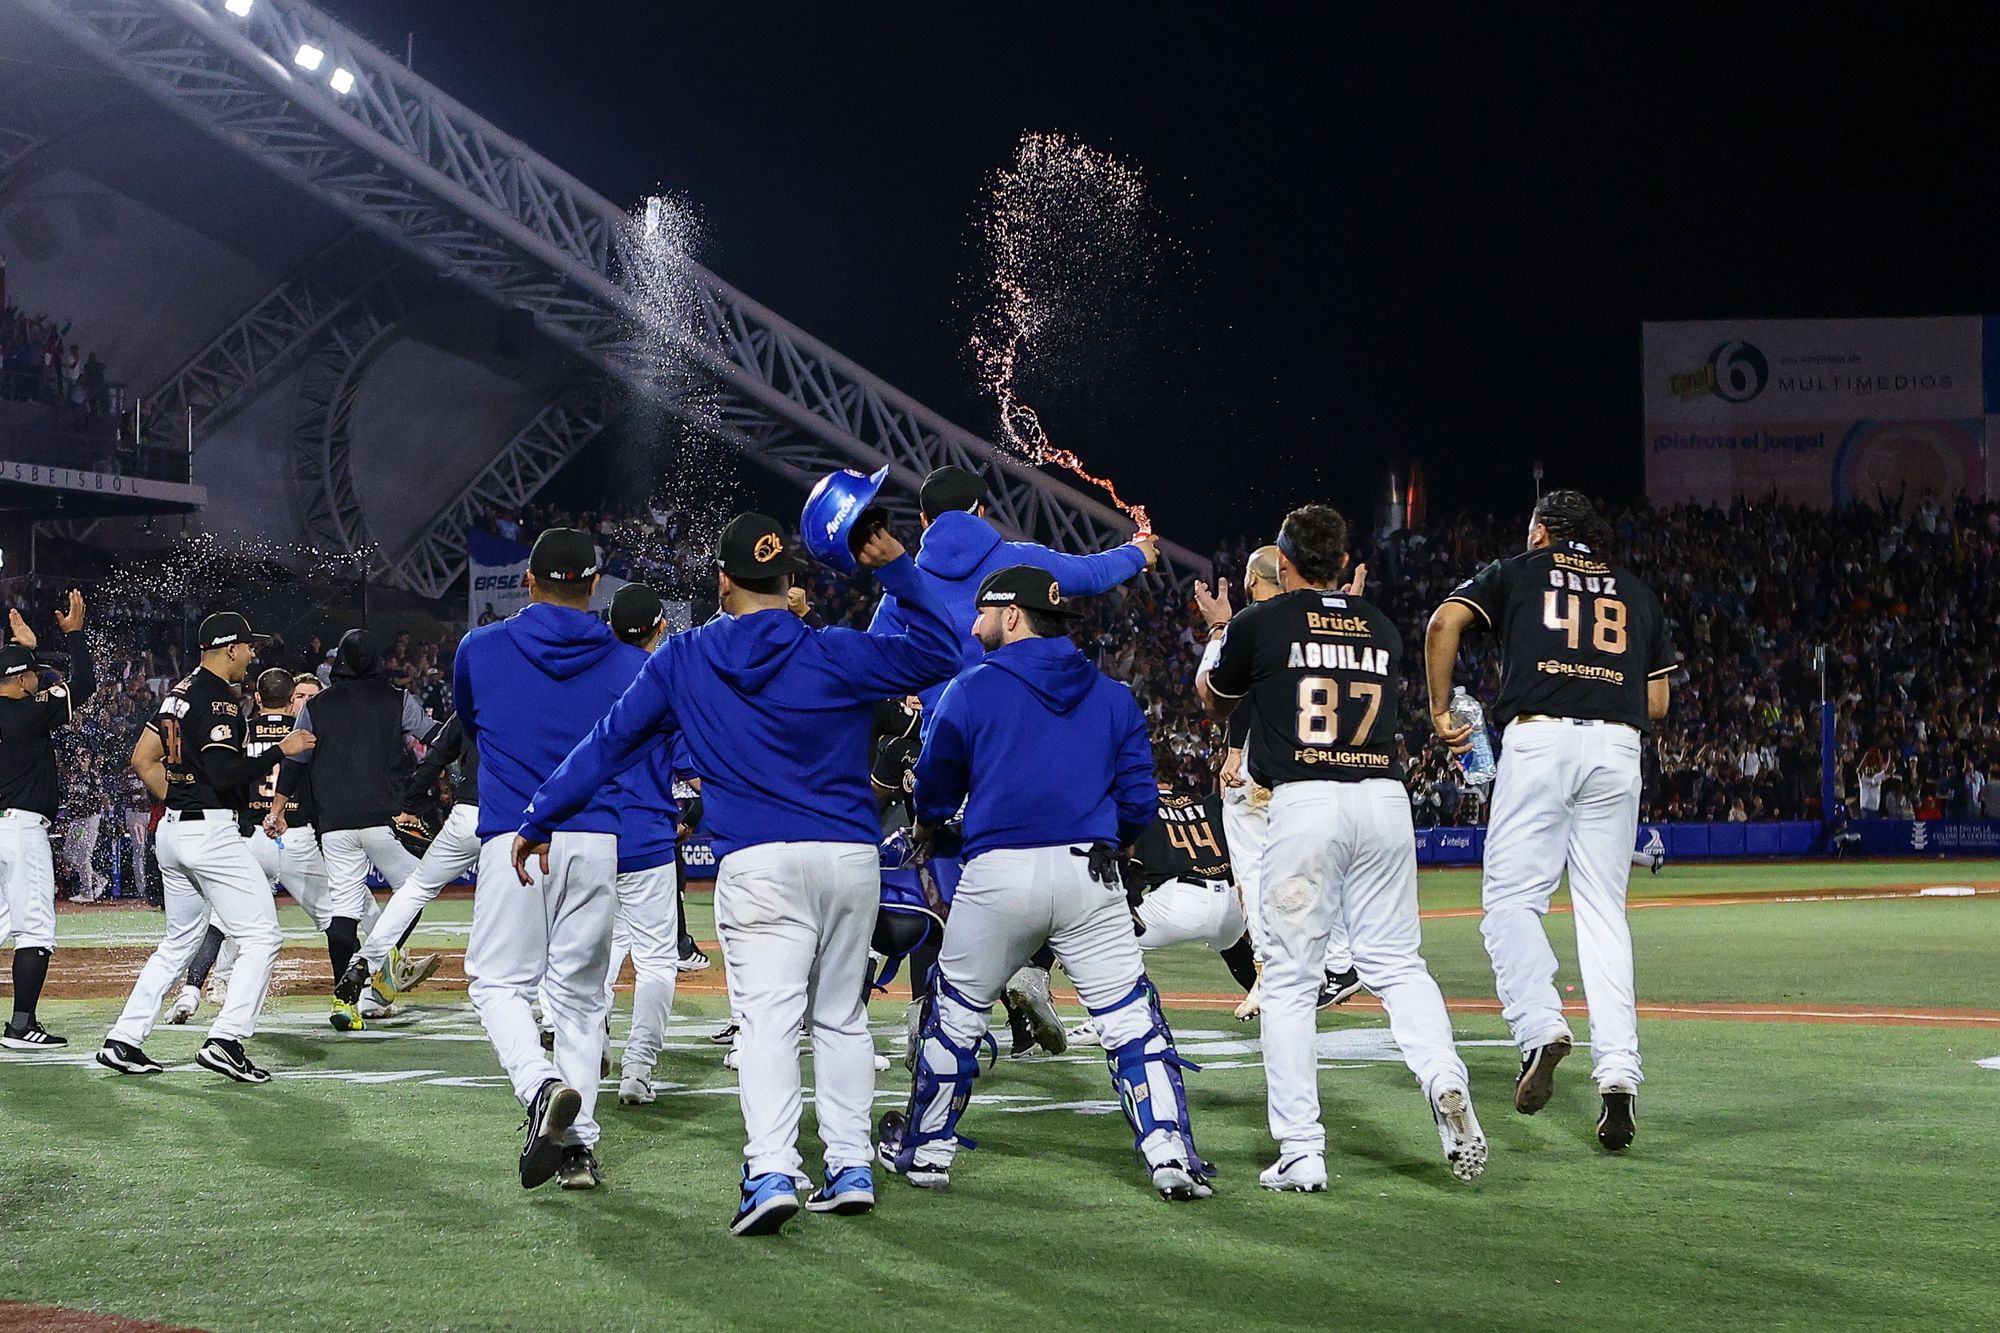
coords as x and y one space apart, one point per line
39 362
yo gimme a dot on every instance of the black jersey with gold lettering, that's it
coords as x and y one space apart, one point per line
1185 842
200 726
1319 671
1579 636
262 735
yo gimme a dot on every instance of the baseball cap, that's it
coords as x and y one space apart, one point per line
635 609
753 547
1025 586
948 488
224 628
16 658
563 555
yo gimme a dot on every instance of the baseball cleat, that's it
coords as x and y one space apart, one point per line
636 1090
407 972
1177 1184
125 1058
692 961
881 1063
769 1201
217 992
730 1059
376 1004
726 1037
345 1017
33 1037
579 1170
1252 1003
1617 1116
185 1006
227 1058
1021 1032
1659 861
1303 1172
889 1131
1086 1034
1339 988
554 1110
848 1191
347 987
1537 1082
1029 990
1458 1130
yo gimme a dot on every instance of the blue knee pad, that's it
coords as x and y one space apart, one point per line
1146 1072
943 1085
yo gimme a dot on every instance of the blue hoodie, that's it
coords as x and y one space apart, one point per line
1049 749
644 797
960 549
776 716
527 690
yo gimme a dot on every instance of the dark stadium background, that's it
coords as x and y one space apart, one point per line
1412 232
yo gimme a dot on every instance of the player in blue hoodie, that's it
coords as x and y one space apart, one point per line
960 548
776 716
1042 866
527 690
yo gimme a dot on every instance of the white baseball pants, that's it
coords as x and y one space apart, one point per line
349 853
28 879
302 870
646 927
205 867
1246 827
1183 911
452 852
1344 847
557 928
79 841
1566 795
795 919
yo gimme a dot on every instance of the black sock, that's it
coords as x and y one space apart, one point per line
31 969
923 962
205 955
404 942
343 941
1242 960
687 944
1045 957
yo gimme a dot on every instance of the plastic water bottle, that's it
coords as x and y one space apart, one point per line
1478 763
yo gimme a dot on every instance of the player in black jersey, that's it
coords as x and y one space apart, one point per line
1319 668
192 757
1585 661
29 715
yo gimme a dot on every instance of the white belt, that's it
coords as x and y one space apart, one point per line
34 816
1574 721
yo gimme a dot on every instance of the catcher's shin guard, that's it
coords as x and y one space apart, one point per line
1146 1071
943 1085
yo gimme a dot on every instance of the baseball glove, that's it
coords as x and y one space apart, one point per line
414 833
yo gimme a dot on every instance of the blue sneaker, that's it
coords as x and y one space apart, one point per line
848 1191
769 1201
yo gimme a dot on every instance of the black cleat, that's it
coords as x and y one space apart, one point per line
348 987
1537 1082
555 1109
33 1037
1339 988
126 1058
226 1057
579 1169
1617 1118
1022 1033
726 1037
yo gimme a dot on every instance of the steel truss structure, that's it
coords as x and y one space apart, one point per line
409 164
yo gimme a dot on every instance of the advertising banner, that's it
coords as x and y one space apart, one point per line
497 585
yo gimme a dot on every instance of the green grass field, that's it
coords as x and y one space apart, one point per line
1788 1174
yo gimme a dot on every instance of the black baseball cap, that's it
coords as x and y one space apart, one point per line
16 658
225 628
635 609
753 547
948 488
563 555
1025 586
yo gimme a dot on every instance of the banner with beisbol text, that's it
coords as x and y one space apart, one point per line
497 585
1818 411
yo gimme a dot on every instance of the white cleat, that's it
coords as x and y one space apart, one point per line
375 1005
217 993
881 1063
1086 1034
1458 1130
729 1060
185 1006
636 1090
1177 1184
1251 1004
1303 1172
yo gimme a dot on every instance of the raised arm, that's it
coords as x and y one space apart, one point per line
1087 575
923 652
643 715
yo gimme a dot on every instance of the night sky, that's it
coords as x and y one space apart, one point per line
1405 235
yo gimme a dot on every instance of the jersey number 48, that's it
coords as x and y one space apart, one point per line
1563 612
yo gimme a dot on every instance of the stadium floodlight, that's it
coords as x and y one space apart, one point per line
309 56
240 8
342 80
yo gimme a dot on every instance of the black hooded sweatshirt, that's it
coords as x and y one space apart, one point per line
359 724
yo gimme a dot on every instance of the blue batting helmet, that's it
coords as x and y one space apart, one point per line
830 512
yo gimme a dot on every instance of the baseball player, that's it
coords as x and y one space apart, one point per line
29 715
527 689
1246 819
379 966
192 758
1041 867
1320 668
1584 666
1652 849
776 717
83 807
363 722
